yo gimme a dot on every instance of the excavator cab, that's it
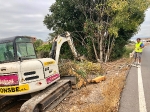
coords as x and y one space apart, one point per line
19 66
14 48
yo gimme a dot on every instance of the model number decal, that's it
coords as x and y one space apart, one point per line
59 40
14 89
48 63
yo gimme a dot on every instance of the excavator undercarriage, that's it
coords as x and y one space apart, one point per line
48 98
43 101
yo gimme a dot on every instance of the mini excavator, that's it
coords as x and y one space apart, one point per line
21 72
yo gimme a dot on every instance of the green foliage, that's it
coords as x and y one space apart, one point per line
128 50
38 43
65 52
81 72
118 49
44 47
90 50
44 50
65 17
91 21
120 42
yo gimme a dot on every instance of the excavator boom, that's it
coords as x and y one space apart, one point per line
58 41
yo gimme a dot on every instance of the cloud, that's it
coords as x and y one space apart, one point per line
24 18
145 26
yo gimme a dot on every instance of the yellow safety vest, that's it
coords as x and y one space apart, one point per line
137 47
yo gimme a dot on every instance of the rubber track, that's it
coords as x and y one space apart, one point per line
7 102
39 100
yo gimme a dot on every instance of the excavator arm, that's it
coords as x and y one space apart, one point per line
58 41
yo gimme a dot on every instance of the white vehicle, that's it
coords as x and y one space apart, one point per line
21 72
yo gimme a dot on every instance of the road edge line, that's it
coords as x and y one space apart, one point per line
142 103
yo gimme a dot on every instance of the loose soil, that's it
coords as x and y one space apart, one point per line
100 97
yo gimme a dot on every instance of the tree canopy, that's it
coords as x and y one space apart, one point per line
100 28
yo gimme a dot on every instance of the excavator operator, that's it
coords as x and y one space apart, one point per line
9 54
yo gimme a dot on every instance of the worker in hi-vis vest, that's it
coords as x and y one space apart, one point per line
138 52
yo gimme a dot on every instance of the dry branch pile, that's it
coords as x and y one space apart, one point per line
86 72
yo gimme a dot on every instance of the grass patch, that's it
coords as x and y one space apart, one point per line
128 50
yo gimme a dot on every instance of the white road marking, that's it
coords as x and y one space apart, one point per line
142 103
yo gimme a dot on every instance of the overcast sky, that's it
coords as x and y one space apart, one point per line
25 17
144 31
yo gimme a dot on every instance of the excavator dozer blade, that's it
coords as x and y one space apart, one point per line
48 98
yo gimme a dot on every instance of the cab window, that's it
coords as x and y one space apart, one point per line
25 49
6 52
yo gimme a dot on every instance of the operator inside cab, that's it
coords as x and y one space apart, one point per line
9 53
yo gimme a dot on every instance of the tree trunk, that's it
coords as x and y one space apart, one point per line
111 47
101 49
96 56
108 50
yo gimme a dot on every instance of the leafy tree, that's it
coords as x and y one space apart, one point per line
38 43
99 26
65 16
44 50
105 19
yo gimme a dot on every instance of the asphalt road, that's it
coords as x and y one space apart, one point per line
136 94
